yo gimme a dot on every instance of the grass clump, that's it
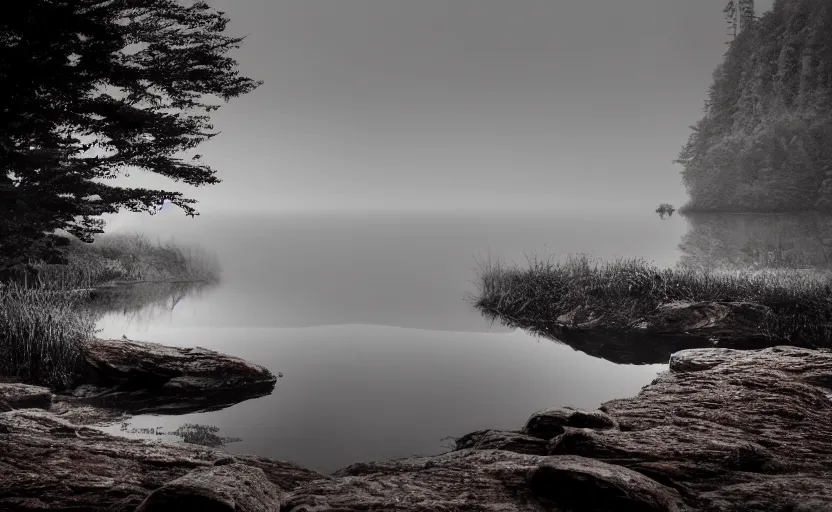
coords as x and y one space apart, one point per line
42 335
619 292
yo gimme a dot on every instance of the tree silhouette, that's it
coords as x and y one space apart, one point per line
745 13
730 12
94 89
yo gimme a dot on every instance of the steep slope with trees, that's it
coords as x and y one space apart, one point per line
765 142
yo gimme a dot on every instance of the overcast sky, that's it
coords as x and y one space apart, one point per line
462 104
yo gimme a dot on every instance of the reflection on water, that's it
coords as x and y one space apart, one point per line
402 270
144 303
190 433
365 316
665 210
353 393
756 241
381 355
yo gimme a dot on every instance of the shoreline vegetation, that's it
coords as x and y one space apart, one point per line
48 312
627 296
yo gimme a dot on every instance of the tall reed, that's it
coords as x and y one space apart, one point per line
42 334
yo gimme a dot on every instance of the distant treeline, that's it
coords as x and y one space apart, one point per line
765 142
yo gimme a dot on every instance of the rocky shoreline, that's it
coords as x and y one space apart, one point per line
653 338
723 429
147 378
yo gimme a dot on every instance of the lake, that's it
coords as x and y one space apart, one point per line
366 317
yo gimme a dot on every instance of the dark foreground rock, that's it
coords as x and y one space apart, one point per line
139 377
578 483
548 423
722 430
24 396
47 463
227 487
668 329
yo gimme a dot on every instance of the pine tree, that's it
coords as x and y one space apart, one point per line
730 12
94 89
746 13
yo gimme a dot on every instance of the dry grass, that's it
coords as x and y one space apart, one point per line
624 290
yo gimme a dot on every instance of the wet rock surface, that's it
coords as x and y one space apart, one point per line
548 423
141 378
668 329
47 463
722 430
578 483
23 396
730 429
503 440
232 487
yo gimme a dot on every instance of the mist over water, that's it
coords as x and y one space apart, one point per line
404 270
366 317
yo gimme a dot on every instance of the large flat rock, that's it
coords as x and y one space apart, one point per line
730 429
141 377
579 483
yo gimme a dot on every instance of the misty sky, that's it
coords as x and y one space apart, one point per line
461 104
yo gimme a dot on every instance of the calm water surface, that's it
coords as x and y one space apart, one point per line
365 316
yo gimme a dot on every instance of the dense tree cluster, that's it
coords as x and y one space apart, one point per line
765 142
93 89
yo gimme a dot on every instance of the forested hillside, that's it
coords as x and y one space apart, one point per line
765 142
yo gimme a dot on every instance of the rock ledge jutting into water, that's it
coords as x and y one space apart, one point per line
669 328
140 377
721 430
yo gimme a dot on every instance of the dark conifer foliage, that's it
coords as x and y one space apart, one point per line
94 89
765 141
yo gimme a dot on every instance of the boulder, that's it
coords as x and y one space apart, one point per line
577 483
464 480
502 440
232 487
141 377
728 320
24 396
548 423
728 427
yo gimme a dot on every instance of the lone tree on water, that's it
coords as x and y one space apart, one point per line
95 89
